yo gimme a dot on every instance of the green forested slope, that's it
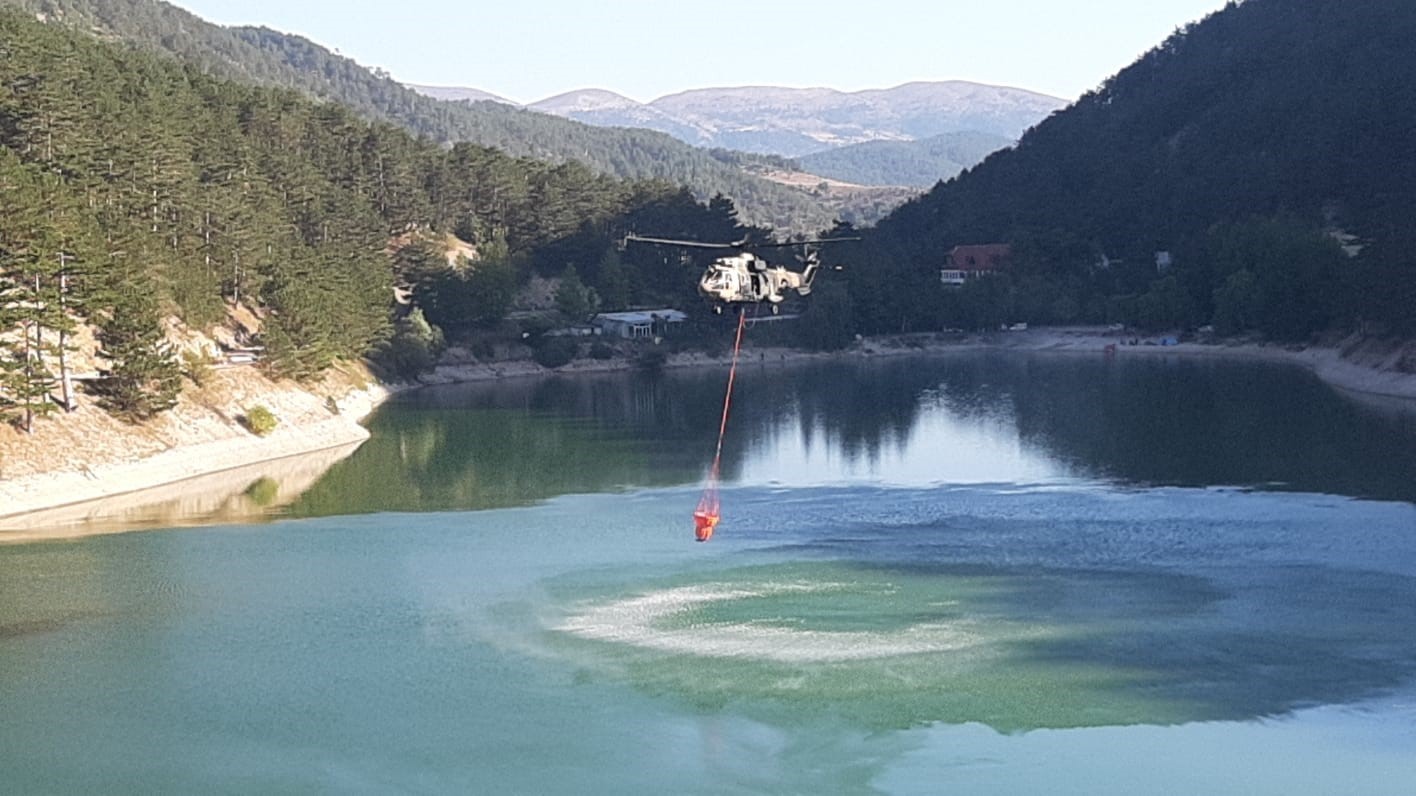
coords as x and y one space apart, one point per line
134 188
1244 145
270 58
911 163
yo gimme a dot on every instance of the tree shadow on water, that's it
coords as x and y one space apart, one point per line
1275 641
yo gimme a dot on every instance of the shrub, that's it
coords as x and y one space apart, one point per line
197 366
535 326
413 348
260 421
553 352
263 491
483 350
601 351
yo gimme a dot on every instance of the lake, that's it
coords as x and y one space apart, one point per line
982 572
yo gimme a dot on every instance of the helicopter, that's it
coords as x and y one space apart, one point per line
741 277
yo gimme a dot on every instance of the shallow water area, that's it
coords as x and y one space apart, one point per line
979 586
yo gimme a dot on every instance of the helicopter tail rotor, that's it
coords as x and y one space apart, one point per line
813 264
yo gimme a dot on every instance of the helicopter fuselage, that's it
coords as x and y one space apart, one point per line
746 278
742 277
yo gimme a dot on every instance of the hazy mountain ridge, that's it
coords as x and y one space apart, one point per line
646 142
460 94
799 121
603 108
834 118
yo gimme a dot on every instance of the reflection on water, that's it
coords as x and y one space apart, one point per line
967 418
915 556
963 418
490 446
240 494
1022 418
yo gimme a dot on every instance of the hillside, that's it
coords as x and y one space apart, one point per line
269 58
909 163
855 204
1246 148
1268 106
138 189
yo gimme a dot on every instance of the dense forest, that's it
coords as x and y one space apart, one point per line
136 189
1267 150
270 58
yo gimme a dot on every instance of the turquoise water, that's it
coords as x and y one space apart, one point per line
954 575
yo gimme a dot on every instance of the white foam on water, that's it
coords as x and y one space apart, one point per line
638 621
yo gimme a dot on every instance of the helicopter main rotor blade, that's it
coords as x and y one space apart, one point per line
789 243
687 243
741 245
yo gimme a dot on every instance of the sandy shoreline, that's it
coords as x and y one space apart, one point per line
247 493
1327 363
24 500
203 447
1374 375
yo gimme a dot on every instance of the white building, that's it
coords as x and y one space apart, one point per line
640 324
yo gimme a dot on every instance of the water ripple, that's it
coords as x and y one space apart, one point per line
648 621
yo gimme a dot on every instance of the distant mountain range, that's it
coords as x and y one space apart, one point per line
647 140
799 121
267 57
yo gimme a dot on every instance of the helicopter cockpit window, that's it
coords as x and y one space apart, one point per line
720 280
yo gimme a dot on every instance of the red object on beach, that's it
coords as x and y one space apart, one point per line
706 516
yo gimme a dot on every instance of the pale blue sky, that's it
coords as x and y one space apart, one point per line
527 50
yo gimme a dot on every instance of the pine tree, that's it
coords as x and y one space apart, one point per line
574 300
614 284
39 227
144 377
11 361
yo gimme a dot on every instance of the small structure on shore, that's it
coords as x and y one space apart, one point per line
970 262
640 324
